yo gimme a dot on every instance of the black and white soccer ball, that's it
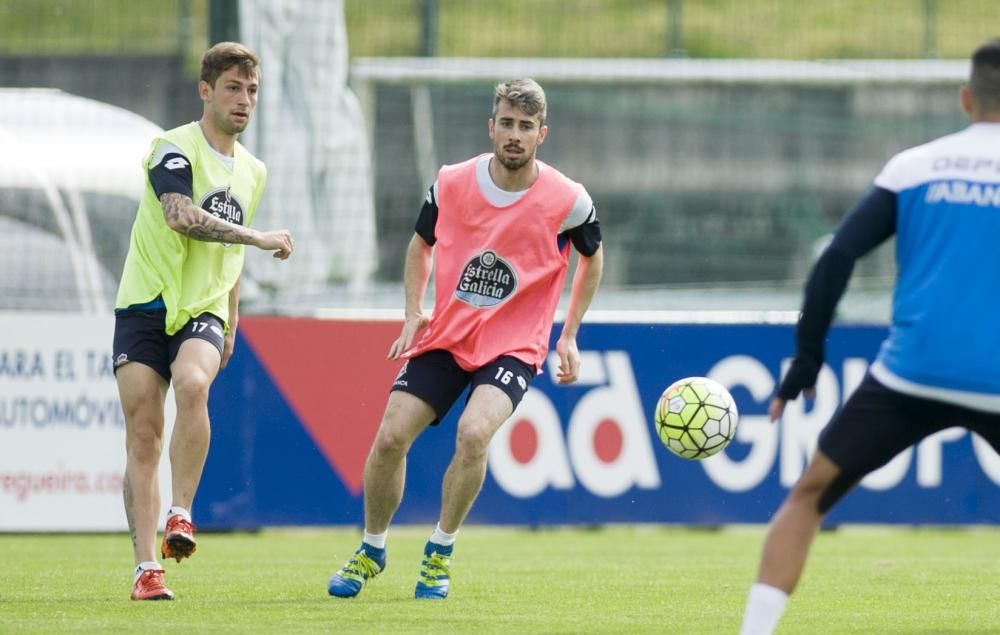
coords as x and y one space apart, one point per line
696 417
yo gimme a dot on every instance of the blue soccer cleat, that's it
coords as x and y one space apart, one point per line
366 563
434 580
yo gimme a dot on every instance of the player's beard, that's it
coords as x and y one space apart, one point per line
234 128
512 164
229 126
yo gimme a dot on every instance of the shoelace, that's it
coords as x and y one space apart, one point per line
433 565
182 525
151 577
361 564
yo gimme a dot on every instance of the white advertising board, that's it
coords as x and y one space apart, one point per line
62 432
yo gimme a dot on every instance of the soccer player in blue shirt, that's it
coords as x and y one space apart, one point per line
940 365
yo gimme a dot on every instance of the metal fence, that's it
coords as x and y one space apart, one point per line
714 178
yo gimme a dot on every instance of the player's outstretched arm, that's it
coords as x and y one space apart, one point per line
184 217
416 275
585 283
867 225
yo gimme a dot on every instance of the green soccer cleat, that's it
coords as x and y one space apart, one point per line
366 563
434 579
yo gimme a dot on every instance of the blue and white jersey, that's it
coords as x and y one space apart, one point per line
944 341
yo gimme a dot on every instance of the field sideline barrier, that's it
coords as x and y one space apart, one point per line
294 414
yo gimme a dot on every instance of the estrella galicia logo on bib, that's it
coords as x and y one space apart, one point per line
222 204
486 281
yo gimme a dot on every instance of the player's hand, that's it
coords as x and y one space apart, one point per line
228 344
280 241
800 378
777 407
569 360
411 326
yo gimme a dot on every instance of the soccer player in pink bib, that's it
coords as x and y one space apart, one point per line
498 230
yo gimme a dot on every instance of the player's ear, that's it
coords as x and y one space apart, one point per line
490 126
204 90
966 99
542 133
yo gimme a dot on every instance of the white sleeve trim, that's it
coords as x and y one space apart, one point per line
893 174
163 148
582 212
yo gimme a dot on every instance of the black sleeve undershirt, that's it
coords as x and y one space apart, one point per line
869 223
427 221
586 237
172 175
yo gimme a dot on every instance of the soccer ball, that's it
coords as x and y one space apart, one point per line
696 417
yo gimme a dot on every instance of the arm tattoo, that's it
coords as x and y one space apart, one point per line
185 217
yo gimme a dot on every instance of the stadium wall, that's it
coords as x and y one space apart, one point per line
295 411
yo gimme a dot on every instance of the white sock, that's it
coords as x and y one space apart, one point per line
376 540
179 511
142 566
765 605
439 537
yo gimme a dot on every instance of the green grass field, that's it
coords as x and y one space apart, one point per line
611 580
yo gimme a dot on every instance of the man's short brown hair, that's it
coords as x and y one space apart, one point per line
524 93
224 56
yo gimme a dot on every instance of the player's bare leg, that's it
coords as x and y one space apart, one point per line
142 392
787 547
405 417
794 526
194 369
485 412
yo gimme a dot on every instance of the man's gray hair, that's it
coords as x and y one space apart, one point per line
525 93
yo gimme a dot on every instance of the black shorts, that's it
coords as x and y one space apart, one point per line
436 378
140 336
877 423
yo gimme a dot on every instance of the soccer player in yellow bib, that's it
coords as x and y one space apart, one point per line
177 306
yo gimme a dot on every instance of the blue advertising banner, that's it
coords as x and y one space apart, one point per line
296 410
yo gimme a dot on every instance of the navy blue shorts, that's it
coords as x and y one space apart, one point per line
140 336
877 423
436 378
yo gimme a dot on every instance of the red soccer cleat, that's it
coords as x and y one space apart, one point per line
178 538
149 586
